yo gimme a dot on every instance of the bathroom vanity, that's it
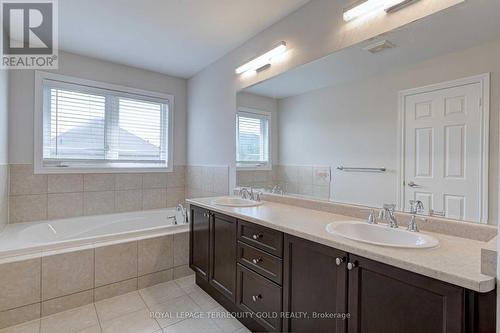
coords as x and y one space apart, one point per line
290 276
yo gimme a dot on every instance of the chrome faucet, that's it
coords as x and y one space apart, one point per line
416 207
180 215
372 219
277 190
387 213
250 194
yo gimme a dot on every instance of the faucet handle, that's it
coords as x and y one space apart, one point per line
372 219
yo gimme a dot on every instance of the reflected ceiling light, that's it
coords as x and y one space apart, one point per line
262 60
364 7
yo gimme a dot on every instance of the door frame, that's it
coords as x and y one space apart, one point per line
484 81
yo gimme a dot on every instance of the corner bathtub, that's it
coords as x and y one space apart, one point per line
20 239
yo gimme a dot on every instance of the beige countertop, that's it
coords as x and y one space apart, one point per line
456 260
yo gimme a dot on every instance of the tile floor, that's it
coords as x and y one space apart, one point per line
131 313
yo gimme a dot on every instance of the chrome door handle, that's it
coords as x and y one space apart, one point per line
256 261
351 266
339 261
256 298
413 184
256 236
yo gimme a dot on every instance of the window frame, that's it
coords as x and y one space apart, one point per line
255 167
99 167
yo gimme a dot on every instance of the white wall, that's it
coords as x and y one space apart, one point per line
22 99
356 124
313 31
263 103
4 168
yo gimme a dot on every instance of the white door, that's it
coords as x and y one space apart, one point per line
443 151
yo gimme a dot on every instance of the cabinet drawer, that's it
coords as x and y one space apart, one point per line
261 237
263 263
257 294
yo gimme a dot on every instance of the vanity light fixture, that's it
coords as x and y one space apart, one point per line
262 60
364 7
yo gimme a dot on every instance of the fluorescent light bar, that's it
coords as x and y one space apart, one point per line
262 60
367 6
363 8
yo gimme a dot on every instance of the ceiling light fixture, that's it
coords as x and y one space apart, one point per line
364 7
262 60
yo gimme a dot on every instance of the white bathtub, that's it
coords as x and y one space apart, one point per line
37 237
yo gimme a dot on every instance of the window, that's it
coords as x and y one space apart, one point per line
84 125
253 137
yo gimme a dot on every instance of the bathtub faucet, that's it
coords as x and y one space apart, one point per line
180 215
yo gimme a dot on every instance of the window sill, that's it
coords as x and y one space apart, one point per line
254 168
86 170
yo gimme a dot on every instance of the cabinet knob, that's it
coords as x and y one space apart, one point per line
256 261
351 265
257 298
256 236
339 261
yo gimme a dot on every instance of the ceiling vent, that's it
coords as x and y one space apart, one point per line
379 46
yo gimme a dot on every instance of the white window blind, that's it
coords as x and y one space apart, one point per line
94 127
252 139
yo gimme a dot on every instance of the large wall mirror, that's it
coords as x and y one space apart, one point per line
406 116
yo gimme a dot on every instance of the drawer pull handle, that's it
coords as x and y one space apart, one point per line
257 236
339 261
256 261
256 298
351 266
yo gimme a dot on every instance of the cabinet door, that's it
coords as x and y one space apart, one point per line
199 241
313 284
223 254
387 299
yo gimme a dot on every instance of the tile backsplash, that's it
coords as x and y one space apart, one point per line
207 181
304 180
40 197
4 195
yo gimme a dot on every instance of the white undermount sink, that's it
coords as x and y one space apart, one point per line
381 235
235 202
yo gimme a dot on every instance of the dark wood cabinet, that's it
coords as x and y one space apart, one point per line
315 285
286 283
387 299
223 254
261 297
199 241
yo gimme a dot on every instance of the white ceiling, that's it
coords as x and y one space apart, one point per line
467 25
176 37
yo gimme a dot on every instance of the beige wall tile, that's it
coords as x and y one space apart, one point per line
149 280
207 179
127 201
221 180
67 273
182 271
64 205
20 283
115 263
128 181
67 302
177 178
25 208
154 198
19 315
98 182
95 203
23 181
4 195
115 289
181 248
65 183
155 254
175 196
154 180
